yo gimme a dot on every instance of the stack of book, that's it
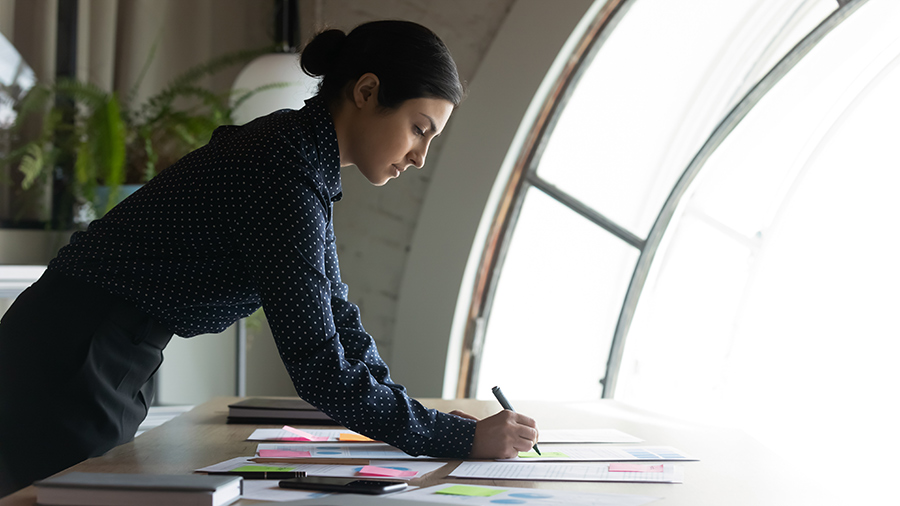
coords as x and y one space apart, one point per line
113 489
261 410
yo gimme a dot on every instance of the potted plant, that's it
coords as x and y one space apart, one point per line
101 142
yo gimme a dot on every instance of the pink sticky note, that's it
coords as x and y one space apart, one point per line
301 435
283 453
619 467
384 471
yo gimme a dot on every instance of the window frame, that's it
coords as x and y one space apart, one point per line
524 175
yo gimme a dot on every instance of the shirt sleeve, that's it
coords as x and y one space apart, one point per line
288 243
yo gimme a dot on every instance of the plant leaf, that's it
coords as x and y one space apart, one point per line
115 127
36 99
87 181
32 164
87 94
152 158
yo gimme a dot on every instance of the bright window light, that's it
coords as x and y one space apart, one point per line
645 103
554 305
771 306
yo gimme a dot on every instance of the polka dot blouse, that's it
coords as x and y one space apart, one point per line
247 221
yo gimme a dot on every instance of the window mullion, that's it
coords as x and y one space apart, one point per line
586 211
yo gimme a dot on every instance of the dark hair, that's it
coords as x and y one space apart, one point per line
409 60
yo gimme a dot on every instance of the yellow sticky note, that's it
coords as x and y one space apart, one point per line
533 455
469 490
347 436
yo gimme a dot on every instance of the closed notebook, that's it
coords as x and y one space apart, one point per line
287 411
114 489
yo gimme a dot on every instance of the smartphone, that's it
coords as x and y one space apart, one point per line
346 485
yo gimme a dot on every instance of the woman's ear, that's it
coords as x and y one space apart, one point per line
365 91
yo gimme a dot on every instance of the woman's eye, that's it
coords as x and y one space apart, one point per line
418 131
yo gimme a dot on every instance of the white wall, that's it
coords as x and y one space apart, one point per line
195 370
374 226
479 151
30 247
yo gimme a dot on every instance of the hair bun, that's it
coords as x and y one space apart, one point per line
322 52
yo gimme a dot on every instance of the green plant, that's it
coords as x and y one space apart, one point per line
111 141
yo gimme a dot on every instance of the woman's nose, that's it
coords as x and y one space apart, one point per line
417 157
416 160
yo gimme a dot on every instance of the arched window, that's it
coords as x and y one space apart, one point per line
705 225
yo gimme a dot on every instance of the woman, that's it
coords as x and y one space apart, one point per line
244 222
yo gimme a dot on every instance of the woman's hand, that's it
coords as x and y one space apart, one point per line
502 436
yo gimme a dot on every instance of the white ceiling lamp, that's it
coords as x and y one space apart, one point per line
268 69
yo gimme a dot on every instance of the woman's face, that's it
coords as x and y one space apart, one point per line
385 142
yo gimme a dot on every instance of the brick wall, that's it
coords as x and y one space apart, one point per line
374 226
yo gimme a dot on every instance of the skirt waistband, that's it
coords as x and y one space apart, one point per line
139 325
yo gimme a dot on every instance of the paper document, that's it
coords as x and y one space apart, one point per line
559 471
490 496
334 435
593 453
586 436
378 451
419 468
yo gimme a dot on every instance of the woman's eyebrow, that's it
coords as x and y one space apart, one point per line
431 122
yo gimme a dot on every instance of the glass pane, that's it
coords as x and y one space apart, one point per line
556 305
772 303
16 78
656 89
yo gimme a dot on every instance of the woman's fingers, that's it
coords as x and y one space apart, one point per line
504 435
528 430
529 434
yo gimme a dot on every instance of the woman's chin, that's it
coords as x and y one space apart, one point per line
377 179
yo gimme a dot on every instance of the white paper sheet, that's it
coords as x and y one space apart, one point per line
586 436
528 496
559 471
420 467
332 435
594 453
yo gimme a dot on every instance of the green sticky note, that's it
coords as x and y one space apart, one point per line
533 455
267 469
470 491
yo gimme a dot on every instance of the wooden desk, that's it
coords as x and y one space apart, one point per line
734 469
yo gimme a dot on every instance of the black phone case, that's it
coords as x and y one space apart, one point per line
375 487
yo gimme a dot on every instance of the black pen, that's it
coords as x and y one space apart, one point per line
263 475
506 405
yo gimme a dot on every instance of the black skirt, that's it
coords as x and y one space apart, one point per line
74 360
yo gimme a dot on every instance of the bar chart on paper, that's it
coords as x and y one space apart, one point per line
574 471
587 436
595 453
377 451
489 495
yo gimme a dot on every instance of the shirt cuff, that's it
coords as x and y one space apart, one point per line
453 437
